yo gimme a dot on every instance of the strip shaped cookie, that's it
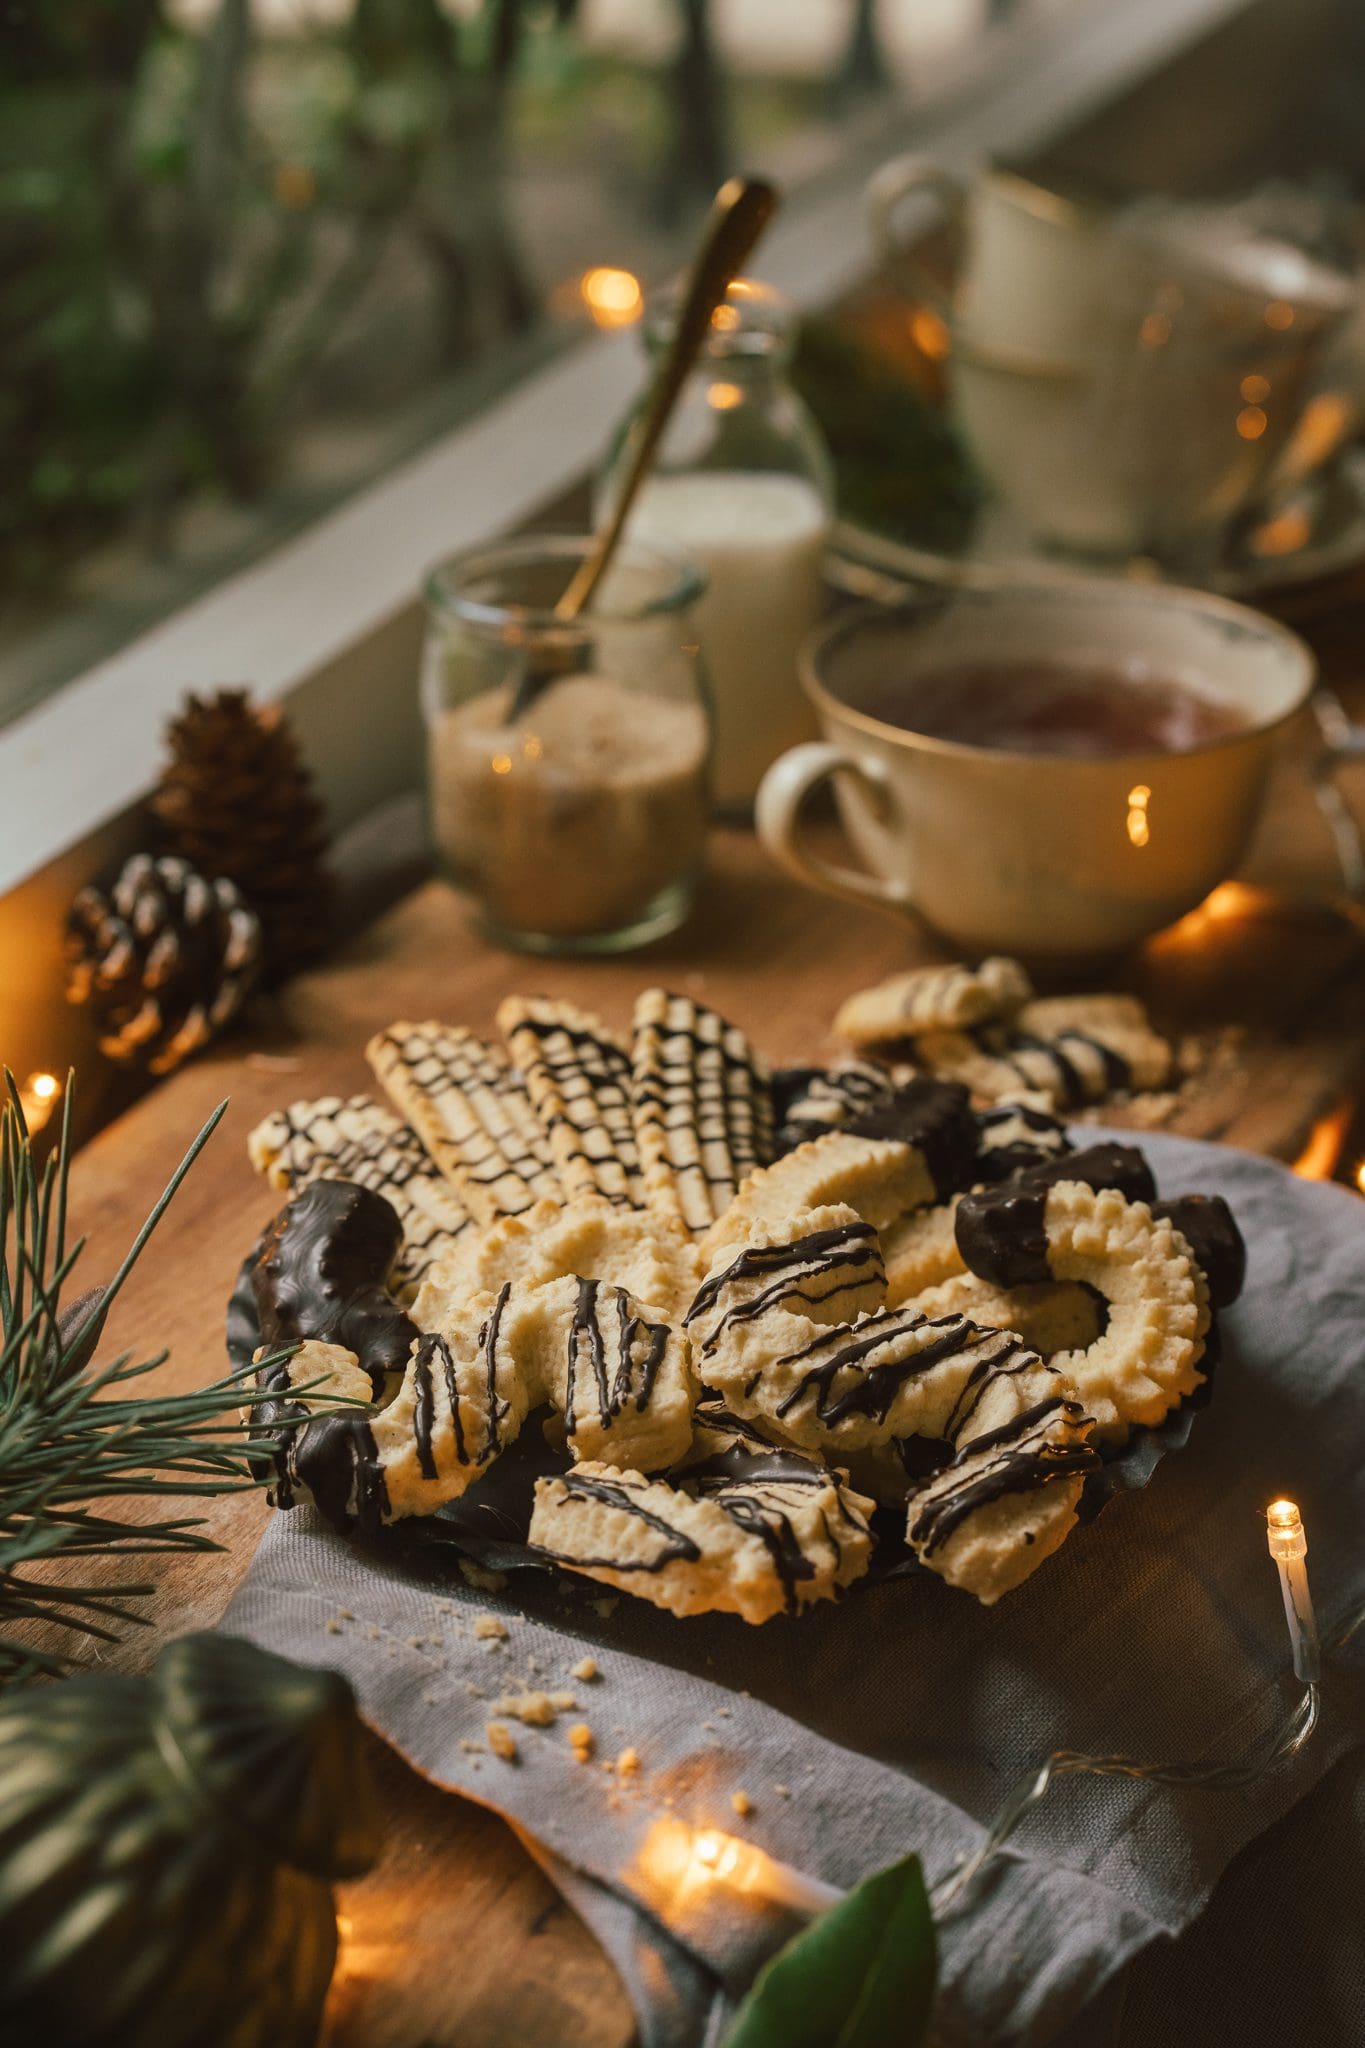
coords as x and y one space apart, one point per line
578 1078
1147 1358
1008 1498
933 999
702 1105
768 1536
471 1112
622 1382
1058 1052
358 1140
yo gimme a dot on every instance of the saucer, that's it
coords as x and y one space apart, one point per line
1318 532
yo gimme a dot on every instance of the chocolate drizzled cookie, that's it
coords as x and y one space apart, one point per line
702 1107
577 1075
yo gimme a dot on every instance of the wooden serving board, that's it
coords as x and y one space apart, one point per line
1274 994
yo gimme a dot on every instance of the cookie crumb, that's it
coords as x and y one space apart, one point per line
501 1741
604 1609
563 1702
474 1748
413 1642
345 1614
537 1709
742 1804
482 1581
581 1741
783 1791
489 1629
585 1668
628 1763
333 1625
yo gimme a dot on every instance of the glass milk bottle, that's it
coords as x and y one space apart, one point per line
743 483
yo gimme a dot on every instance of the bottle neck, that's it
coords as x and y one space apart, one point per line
751 341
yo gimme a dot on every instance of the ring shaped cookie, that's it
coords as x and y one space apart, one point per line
1157 1300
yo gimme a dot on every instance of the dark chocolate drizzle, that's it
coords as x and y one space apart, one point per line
874 1388
1209 1228
934 1116
635 1376
1013 1465
1005 1043
611 1493
318 1272
574 1053
784 1267
765 1519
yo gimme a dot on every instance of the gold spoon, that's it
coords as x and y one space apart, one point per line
740 212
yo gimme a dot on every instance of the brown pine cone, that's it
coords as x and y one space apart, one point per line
165 961
235 799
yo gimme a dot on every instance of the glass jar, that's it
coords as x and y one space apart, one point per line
743 482
568 765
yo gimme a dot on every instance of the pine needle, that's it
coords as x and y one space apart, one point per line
74 1442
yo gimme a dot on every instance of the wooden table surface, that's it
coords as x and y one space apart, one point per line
1273 989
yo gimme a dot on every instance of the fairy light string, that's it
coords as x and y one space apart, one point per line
1289 1548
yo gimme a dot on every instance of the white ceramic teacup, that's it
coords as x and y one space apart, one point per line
1130 382
1055 857
1031 280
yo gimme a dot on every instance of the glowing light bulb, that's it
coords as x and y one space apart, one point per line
612 297
1139 831
1288 1545
38 1099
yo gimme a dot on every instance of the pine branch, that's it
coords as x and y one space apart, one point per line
73 1441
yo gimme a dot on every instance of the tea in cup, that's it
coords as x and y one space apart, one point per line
1045 770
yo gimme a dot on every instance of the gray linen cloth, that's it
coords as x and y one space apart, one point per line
900 1718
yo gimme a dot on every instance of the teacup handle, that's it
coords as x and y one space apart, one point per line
887 191
777 814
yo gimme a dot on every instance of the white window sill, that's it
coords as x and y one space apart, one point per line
331 619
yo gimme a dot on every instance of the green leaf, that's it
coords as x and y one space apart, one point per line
861 1976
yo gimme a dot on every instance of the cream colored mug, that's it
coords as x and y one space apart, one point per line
1055 857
